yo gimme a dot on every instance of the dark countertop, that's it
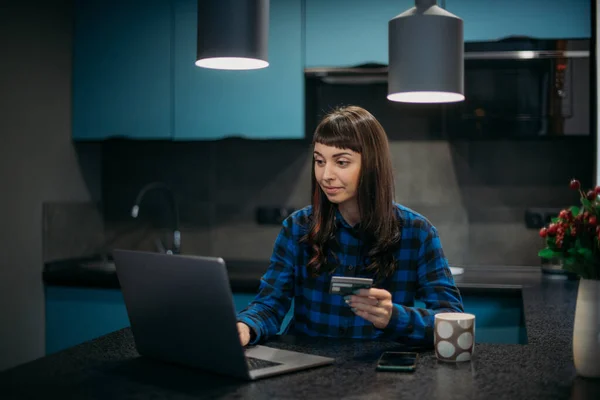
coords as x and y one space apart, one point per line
244 275
109 367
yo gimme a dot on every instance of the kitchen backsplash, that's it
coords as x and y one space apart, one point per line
71 230
475 193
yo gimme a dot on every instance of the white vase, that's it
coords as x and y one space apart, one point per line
586 330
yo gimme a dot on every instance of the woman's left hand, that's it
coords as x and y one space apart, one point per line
374 305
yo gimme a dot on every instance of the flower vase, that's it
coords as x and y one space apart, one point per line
586 329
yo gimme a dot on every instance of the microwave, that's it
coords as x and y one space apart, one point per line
514 88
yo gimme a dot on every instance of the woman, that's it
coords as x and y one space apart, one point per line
353 228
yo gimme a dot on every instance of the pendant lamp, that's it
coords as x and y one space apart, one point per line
426 55
233 34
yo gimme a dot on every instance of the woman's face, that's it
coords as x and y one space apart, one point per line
337 171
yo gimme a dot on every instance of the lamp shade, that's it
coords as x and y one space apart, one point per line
426 55
233 34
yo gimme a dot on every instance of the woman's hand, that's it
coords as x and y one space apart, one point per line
374 305
244 331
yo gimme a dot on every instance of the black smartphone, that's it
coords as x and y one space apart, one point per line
397 361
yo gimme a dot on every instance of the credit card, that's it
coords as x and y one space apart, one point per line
345 285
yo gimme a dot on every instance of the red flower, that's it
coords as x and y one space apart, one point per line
574 184
591 195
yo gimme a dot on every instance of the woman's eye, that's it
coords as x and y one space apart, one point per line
319 162
343 163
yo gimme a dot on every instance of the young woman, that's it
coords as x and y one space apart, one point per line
353 228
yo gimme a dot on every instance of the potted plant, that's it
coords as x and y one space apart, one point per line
574 238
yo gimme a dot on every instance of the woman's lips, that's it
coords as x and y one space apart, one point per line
332 190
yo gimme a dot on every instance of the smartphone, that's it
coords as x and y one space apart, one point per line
397 361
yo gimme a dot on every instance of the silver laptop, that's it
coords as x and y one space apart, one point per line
181 311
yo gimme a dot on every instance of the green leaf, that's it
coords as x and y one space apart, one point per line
547 253
586 203
568 268
575 211
586 253
555 220
569 262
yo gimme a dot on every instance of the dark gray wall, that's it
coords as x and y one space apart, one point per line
475 193
38 162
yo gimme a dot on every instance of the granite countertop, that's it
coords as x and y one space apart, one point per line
244 275
110 367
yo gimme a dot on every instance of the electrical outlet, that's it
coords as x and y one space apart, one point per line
272 215
536 218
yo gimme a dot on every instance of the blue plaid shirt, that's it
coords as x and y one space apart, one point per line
422 272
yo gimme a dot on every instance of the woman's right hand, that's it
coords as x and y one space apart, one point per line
244 331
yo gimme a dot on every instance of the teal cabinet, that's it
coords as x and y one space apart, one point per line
499 317
266 103
75 315
122 69
351 32
491 20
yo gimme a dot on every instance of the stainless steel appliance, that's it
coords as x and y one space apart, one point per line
514 87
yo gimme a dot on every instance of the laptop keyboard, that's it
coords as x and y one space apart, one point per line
257 363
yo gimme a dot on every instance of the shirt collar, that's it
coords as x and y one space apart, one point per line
340 221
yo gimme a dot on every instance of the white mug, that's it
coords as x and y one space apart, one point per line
454 336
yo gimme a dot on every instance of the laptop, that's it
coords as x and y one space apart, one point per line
181 311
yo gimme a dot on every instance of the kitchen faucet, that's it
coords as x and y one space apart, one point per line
175 212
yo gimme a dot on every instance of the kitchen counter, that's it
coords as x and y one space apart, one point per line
244 275
110 367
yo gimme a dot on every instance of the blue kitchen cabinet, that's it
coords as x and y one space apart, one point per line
499 318
122 69
491 19
344 33
75 315
257 104
349 32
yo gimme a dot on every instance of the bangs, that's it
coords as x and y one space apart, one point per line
337 131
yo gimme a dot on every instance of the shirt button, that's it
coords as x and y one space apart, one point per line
351 267
342 330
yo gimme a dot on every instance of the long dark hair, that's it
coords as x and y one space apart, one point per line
356 129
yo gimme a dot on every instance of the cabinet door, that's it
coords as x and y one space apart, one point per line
122 69
75 315
349 32
492 20
266 103
352 32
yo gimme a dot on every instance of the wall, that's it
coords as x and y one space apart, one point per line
38 162
476 193
597 23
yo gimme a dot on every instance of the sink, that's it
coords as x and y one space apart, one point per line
107 266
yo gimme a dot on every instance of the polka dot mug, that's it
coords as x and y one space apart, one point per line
454 336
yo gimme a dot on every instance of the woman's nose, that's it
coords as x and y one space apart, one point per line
327 173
